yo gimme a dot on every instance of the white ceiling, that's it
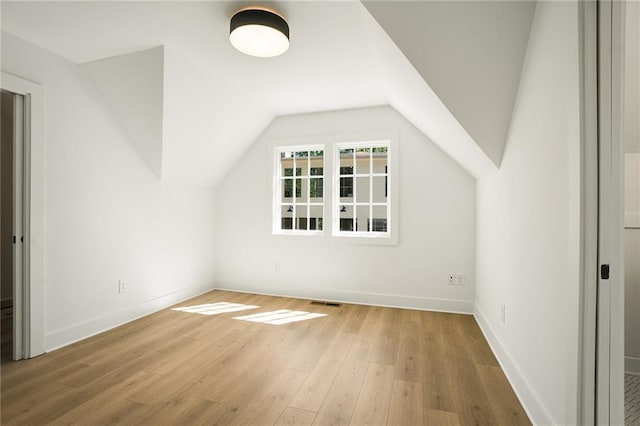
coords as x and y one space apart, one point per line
217 100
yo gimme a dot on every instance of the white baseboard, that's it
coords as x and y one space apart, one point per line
360 298
533 406
632 365
66 336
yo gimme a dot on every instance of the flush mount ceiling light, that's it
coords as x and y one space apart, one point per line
259 32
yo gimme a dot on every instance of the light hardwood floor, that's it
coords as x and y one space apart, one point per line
358 365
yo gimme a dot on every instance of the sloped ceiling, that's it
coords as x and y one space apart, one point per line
133 85
217 101
469 52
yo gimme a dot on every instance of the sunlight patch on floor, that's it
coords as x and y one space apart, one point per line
215 308
282 316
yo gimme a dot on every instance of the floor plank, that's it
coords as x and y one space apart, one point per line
341 399
372 407
296 417
315 388
405 397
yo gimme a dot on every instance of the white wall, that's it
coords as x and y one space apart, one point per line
528 226
632 263
436 223
107 217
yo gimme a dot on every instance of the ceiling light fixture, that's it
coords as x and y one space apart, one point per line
259 32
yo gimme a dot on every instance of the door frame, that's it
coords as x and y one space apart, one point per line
601 375
32 164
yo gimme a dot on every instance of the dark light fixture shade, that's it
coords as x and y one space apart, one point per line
259 32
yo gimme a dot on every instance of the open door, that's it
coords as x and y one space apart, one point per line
14 307
610 283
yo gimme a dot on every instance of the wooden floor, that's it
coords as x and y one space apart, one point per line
358 365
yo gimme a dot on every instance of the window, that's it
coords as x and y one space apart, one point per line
363 197
299 190
360 191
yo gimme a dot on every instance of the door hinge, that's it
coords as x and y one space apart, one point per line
604 271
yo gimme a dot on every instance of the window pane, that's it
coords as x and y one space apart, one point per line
362 189
316 154
380 150
287 223
379 189
378 225
379 163
362 218
346 171
315 187
301 217
346 187
302 167
363 161
346 159
315 218
298 188
287 188
316 171
302 154
346 224
286 213
286 163
346 217
380 212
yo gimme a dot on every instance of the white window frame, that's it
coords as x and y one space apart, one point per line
277 191
389 235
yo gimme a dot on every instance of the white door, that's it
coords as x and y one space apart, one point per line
18 197
610 304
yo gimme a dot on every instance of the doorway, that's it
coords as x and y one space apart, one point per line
6 226
12 288
28 338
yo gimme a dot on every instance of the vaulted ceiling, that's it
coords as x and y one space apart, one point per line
193 104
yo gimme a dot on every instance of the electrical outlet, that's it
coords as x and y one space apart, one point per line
122 286
276 267
456 279
503 313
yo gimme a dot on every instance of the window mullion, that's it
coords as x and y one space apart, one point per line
308 191
370 190
294 220
354 184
